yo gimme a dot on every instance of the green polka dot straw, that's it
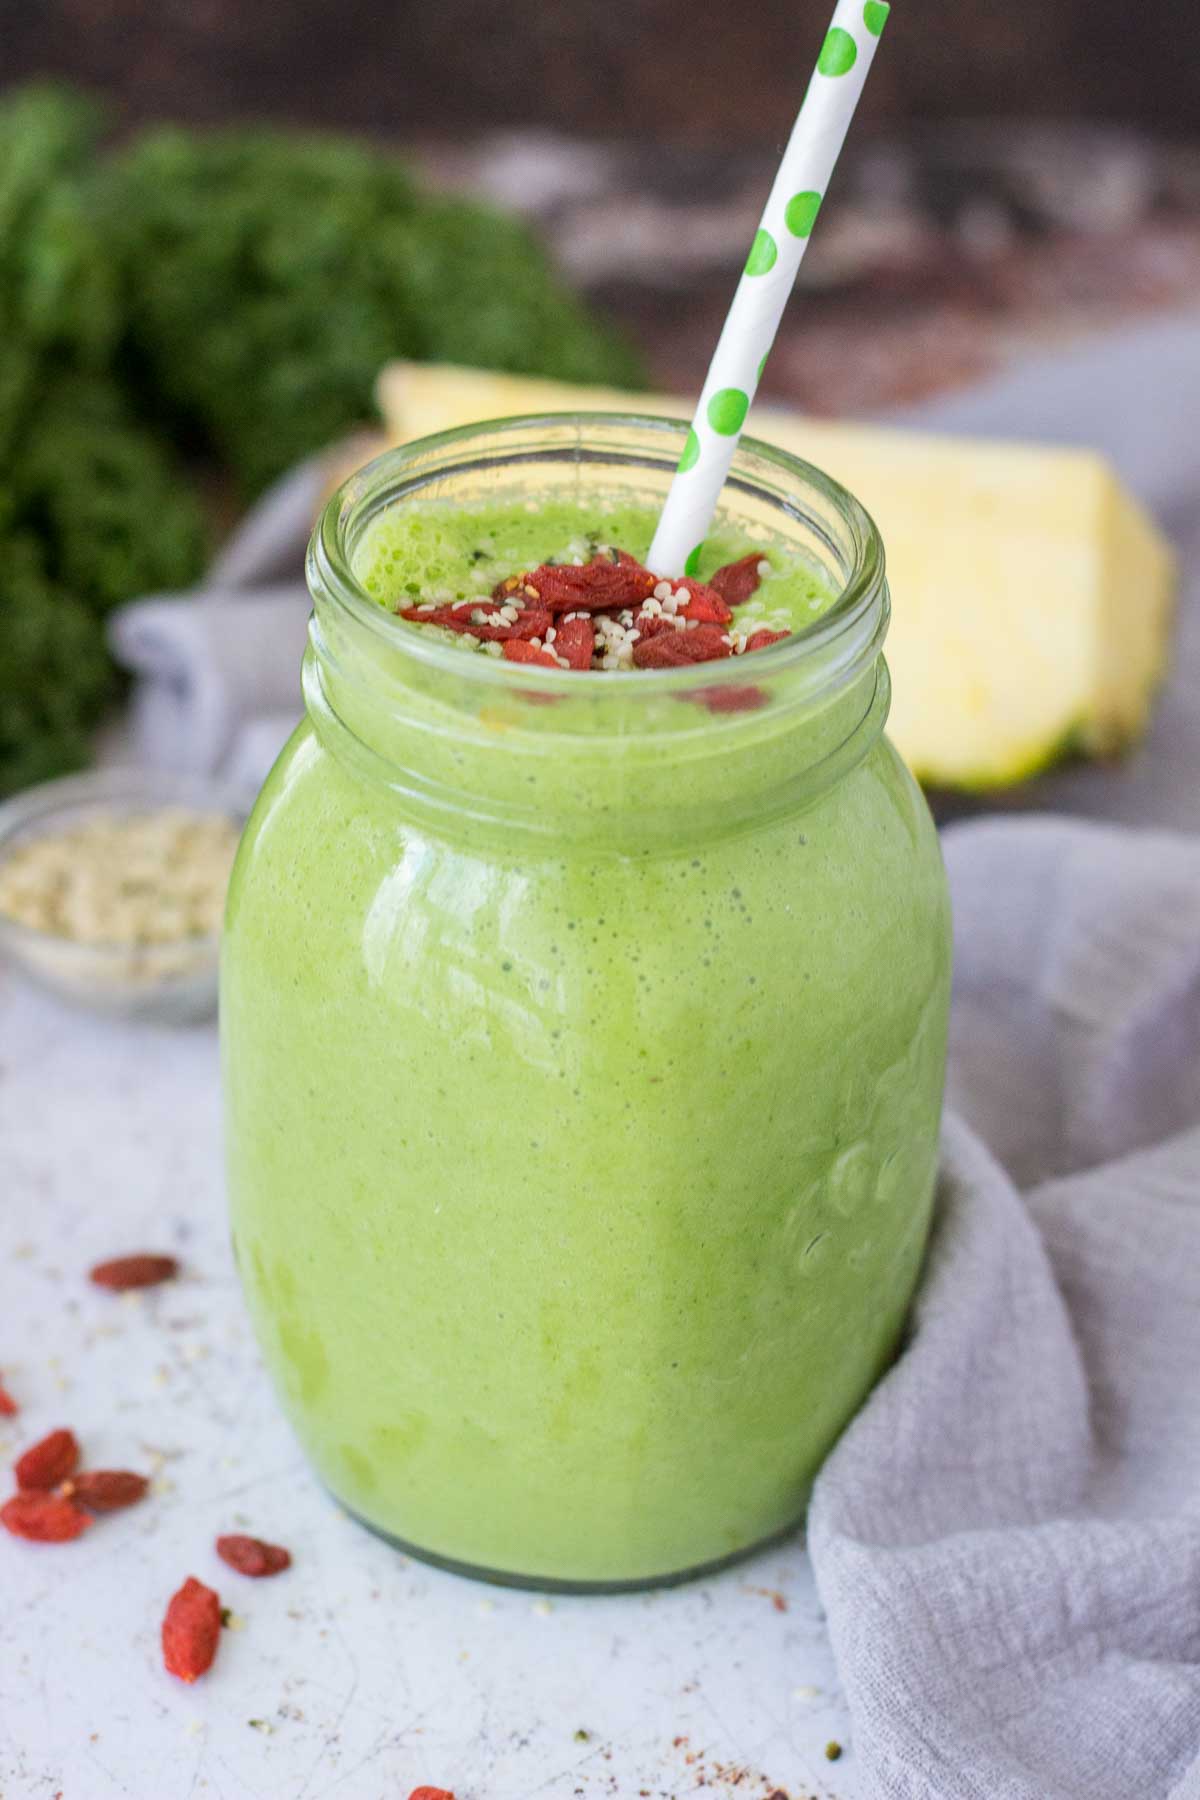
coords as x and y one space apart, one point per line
775 256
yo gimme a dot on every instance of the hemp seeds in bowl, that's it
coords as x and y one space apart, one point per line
112 889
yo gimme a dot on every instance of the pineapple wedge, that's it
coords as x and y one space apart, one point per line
1031 594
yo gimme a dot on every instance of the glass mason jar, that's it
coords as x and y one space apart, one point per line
583 1041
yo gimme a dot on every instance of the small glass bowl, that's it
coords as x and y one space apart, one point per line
173 983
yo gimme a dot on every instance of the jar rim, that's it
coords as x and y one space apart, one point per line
859 611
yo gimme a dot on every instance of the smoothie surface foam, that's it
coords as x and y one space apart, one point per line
435 552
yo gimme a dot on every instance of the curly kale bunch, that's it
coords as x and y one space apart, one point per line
271 275
55 673
58 284
234 294
92 513
112 513
91 509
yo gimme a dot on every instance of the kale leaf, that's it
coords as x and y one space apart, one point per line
269 276
230 297
92 510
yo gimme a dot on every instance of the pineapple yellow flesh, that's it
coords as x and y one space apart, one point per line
1031 593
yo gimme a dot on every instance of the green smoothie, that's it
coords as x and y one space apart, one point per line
581 1172
446 554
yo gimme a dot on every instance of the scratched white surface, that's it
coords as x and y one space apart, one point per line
367 1673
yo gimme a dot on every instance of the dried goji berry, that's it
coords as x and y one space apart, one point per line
575 640
124 1272
704 603
191 1630
515 587
251 1556
518 652
47 1462
106 1490
738 580
428 1793
534 621
672 649
490 629
704 608
8 1406
43 1518
600 586
758 640
649 625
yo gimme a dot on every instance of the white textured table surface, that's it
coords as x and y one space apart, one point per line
358 1674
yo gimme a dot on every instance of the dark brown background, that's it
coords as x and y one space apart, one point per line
687 70
1022 172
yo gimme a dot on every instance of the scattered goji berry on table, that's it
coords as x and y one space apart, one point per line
191 1630
47 1462
124 1272
8 1406
738 580
43 1518
428 1793
106 1490
251 1556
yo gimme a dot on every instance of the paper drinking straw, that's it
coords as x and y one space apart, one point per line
775 256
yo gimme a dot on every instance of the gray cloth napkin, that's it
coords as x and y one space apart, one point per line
218 668
214 670
1007 1537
